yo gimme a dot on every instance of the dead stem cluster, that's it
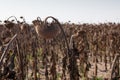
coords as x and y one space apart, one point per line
52 51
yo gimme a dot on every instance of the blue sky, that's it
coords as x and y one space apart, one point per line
92 11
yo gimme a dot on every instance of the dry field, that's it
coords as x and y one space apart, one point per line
58 51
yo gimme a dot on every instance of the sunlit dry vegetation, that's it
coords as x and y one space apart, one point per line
58 51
